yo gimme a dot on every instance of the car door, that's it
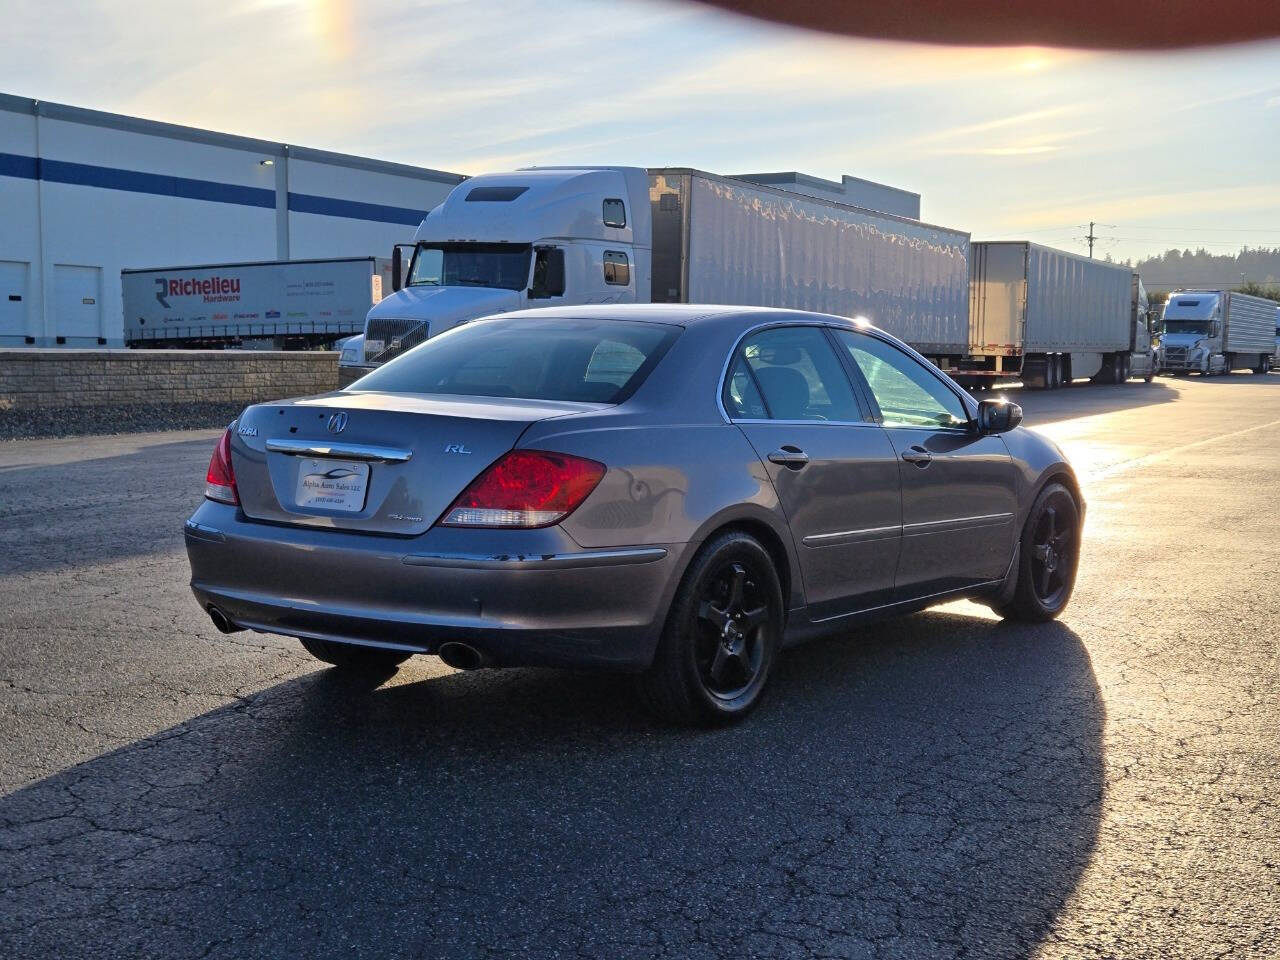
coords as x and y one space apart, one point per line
835 472
958 486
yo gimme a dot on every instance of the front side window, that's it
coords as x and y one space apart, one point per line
908 394
591 361
617 271
793 373
503 265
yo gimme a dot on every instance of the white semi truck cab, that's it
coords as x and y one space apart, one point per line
509 241
1214 331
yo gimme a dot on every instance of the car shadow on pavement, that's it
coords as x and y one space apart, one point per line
922 788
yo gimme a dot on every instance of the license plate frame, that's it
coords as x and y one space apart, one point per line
338 486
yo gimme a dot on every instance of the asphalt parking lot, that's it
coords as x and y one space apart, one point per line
939 786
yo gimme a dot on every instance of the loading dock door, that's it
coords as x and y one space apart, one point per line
13 298
77 301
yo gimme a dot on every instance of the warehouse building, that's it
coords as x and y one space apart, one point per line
85 194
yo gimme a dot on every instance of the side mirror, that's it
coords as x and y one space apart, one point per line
548 274
398 265
998 416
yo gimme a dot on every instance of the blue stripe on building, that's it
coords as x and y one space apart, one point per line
134 181
12 165
354 210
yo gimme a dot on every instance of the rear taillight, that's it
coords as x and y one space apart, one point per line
220 481
525 488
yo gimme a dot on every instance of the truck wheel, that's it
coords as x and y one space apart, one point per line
721 637
353 658
1052 374
1047 558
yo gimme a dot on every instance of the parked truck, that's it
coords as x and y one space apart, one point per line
1047 317
279 304
578 235
1214 332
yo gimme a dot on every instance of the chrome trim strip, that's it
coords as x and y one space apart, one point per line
547 561
351 451
957 523
867 533
811 423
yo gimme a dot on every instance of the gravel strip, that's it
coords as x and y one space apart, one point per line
125 418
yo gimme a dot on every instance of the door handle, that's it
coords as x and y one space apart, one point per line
789 456
919 456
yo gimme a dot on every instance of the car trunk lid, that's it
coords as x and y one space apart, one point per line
373 462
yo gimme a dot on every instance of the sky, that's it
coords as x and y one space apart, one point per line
1160 150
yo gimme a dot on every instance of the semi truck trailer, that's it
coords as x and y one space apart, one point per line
580 235
1214 332
1048 317
279 304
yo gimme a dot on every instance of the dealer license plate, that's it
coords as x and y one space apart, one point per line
333 484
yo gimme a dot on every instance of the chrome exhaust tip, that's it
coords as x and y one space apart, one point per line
463 656
222 621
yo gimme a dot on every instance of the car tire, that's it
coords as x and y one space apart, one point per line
349 656
1047 559
721 636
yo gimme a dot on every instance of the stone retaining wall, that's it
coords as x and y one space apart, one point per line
42 378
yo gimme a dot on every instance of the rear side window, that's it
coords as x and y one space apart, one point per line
590 361
796 374
741 395
617 271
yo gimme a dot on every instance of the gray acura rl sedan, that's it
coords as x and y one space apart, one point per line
676 491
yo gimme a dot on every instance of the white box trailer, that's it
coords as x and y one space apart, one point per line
569 235
1048 317
719 240
1216 331
284 304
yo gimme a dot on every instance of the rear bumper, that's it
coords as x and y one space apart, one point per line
527 598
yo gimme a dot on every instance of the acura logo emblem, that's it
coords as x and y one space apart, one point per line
337 423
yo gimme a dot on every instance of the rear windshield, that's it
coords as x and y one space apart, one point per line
590 361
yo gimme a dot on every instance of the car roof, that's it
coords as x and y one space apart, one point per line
682 314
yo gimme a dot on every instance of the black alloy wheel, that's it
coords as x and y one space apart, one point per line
733 613
1049 554
722 635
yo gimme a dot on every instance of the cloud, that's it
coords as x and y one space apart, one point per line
1253 198
989 136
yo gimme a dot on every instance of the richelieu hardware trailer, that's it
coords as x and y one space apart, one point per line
281 304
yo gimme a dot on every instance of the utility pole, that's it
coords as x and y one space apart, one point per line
1091 238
